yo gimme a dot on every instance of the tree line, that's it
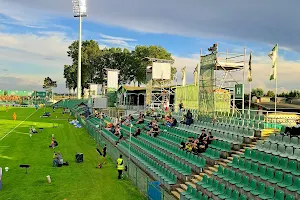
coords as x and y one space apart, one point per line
94 61
259 92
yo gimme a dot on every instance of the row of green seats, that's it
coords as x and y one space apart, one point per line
171 162
285 140
220 145
158 171
263 190
181 133
180 153
171 138
192 194
212 154
219 189
110 135
228 138
276 162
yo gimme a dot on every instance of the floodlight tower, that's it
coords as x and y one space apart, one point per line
79 10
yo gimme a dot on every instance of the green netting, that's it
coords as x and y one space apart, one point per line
222 100
1 92
206 88
188 95
111 98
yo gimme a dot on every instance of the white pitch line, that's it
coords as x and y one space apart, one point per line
17 126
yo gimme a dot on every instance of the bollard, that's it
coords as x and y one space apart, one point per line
48 179
0 178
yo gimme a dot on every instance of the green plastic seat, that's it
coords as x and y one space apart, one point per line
247 166
277 178
296 172
231 175
287 181
227 194
213 186
292 166
279 195
274 149
252 186
247 153
296 185
294 142
244 182
225 173
274 161
266 147
219 172
203 181
269 174
243 197
220 190
261 171
254 169
237 179
234 163
283 162
234 196
289 197
208 184
259 190
269 194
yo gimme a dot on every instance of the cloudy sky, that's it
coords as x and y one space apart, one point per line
35 34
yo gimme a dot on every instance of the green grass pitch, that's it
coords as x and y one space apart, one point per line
78 181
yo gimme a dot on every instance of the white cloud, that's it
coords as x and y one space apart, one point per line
112 41
288 72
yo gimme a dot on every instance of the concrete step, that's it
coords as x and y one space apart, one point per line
222 163
179 190
225 161
191 184
230 158
176 194
202 174
207 171
183 186
213 169
194 180
199 178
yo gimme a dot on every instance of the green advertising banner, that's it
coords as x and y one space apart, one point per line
238 91
206 88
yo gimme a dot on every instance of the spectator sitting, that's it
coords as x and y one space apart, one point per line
154 131
209 138
53 143
293 131
189 146
172 122
137 132
33 130
182 145
140 119
202 136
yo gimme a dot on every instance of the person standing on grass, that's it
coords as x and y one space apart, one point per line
104 153
15 116
120 166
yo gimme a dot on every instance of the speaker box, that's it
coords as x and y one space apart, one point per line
79 157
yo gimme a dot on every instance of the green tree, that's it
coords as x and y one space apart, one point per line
49 84
258 92
270 93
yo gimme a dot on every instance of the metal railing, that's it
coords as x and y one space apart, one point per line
141 180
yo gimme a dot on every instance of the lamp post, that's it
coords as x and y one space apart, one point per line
79 10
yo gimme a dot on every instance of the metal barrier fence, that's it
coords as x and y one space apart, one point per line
141 180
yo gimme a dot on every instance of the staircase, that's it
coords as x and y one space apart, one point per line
211 169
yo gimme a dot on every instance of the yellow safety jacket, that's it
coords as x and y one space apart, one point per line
120 163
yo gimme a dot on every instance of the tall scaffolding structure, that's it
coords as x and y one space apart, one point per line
220 73
158 87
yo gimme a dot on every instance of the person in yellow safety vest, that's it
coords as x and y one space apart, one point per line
120 166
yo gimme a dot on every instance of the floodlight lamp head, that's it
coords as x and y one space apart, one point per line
79 8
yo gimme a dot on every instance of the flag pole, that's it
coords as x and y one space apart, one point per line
276 88
250 83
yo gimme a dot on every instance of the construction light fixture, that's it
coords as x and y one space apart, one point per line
79 10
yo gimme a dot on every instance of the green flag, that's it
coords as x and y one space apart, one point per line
273 55
250 69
